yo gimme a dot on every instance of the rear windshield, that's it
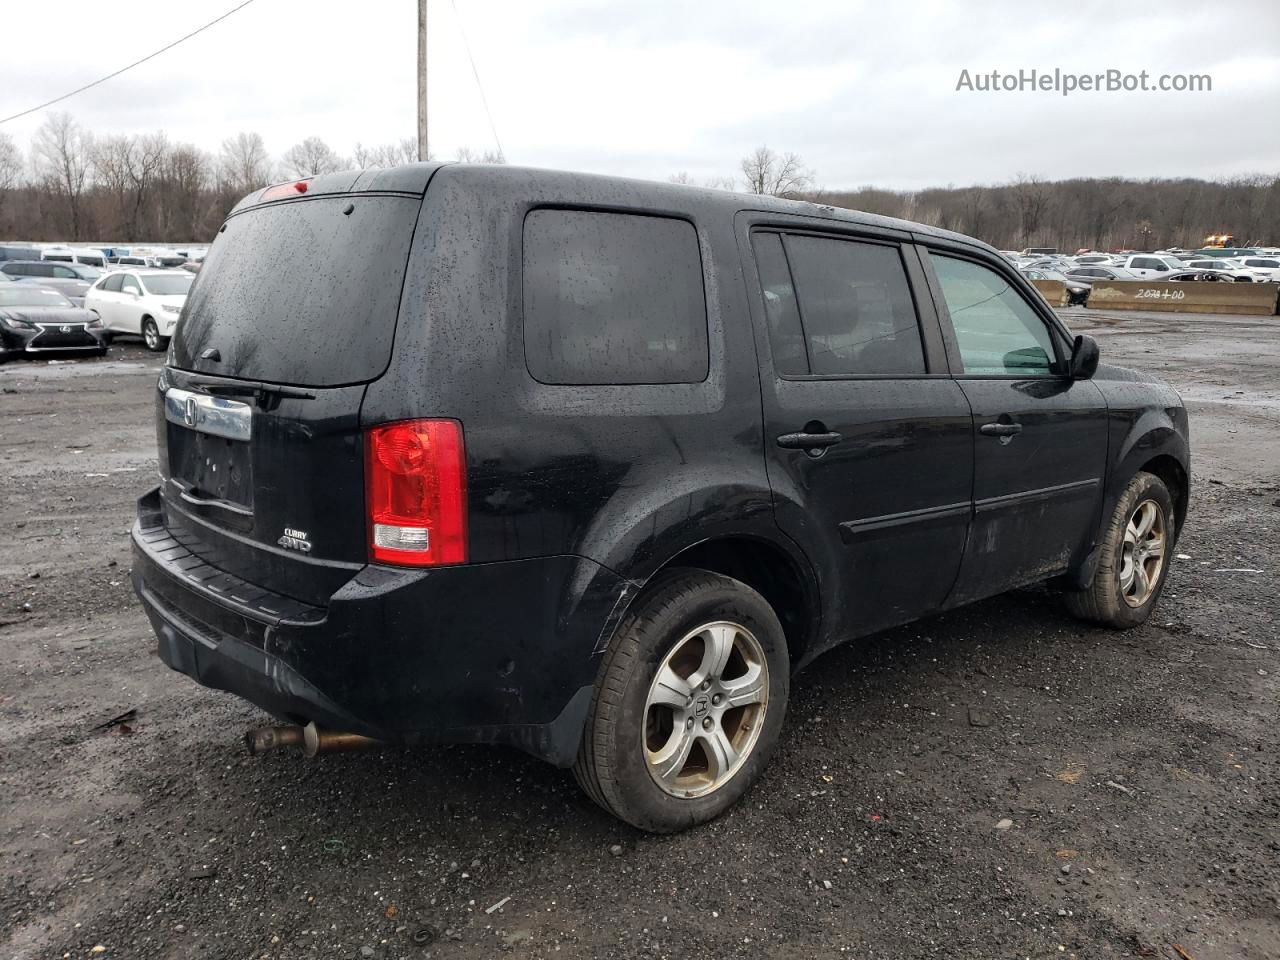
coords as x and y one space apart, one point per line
301 292
167 284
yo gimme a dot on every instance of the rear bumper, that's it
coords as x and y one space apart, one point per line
486 653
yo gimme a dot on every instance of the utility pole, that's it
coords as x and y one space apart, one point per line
422 79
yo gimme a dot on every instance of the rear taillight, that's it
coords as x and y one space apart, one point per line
416 479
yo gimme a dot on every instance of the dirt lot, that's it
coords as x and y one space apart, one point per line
1139 770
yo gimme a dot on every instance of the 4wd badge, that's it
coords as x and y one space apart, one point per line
295 540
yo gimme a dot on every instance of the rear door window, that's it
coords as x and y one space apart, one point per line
112 283
301 292
613 298
855 307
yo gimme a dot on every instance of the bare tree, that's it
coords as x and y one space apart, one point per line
62 154
243 163
182 194
1032 197
467 155
387 154
311 158
775 175
711 183
10 170
112 156
128 168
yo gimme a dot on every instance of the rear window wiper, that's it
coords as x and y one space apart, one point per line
254 388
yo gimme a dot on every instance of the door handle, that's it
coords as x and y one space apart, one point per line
808 441
1001 429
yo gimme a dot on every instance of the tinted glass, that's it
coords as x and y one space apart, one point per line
613 298
786 337
855 306
998 332
130 285
300 292
112 283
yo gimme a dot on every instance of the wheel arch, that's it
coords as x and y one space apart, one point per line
1174 474
1158 446
777 571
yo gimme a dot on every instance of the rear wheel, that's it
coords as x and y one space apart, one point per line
1134 557
151 335
689 703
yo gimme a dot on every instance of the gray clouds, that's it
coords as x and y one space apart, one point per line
864 91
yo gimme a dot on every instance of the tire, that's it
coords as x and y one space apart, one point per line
625 730
151 336
1113 598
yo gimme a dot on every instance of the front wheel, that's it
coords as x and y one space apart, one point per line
1133 561
688 705
151 336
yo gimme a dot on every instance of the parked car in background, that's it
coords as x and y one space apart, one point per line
1229 266
36 320
131 260
691 439
141 302
1077 289
1202 276
89 258
1150 266
1097 272
1088 259
1047 263
72 280
12 251
1262 268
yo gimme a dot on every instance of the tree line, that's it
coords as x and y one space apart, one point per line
71 184
1109 213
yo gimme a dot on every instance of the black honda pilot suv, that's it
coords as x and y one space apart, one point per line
591 467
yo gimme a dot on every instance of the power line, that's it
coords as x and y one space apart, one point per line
466 45
49 103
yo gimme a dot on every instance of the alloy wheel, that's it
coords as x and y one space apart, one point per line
1142 561
705 709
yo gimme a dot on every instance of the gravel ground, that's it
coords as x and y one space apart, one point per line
997 782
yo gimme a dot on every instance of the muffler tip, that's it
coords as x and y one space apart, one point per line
265 739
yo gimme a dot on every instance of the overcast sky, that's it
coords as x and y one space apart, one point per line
864 92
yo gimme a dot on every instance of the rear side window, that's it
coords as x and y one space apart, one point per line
112 283
613 298
782 312
855 307
301 292
997 331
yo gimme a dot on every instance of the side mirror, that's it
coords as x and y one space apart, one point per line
1084 358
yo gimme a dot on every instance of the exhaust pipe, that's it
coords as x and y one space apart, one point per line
311 740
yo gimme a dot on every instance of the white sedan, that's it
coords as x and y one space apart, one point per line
142 302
